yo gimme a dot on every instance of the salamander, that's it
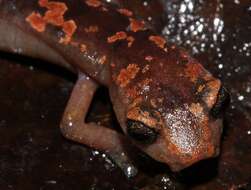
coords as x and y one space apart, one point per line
166 103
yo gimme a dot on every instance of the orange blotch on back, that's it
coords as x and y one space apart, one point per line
127 74
121 36
43 3
136 25
54 16
69 28
158 40
59 7
93 3
118 36
36 21
55 13
125 12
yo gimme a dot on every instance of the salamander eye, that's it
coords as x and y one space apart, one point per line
223 98
141 132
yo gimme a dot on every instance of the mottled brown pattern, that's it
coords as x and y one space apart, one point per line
143 71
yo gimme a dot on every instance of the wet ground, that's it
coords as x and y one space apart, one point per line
33 95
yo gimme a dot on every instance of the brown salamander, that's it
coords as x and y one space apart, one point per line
165 101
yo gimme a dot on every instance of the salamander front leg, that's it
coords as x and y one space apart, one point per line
74 127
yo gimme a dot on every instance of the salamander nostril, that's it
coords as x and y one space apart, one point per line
223 99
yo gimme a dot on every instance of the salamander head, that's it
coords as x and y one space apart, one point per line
175 117
179 137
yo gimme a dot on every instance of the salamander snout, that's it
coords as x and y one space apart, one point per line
182 136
